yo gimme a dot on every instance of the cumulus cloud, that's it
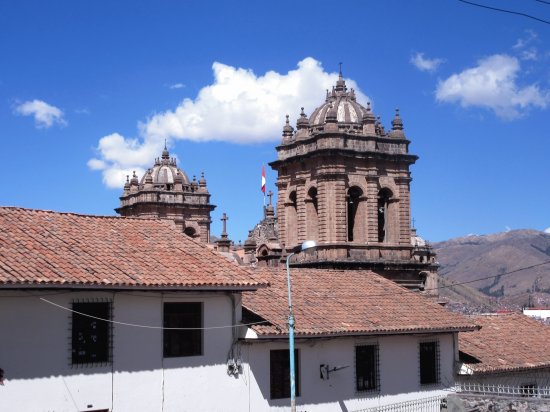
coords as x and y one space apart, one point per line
547 230
45 115
238 106
492 84
424 64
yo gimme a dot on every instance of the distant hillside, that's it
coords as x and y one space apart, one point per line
472 257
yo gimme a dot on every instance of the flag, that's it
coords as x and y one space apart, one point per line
263 179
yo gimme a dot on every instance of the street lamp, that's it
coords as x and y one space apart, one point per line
307 245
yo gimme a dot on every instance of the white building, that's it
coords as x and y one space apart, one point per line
159 333
362 341
538 313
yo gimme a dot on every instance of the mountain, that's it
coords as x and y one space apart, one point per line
492 258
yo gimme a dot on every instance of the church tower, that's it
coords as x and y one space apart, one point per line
166 192
344 181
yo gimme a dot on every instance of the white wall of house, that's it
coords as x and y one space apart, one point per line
543 314
398 366
35 353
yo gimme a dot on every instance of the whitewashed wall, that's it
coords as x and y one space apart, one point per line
35 354
399 373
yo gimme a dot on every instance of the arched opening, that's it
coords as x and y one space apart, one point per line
384 197
353 199
189 231
312 214
292 219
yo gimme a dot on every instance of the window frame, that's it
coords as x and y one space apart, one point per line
77 320
283 376
171 335
376 366
436 363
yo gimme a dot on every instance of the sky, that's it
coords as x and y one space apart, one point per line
90 91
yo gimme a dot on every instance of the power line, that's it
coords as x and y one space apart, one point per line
507 11
136 325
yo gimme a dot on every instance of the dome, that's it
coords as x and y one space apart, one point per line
343 102
165 171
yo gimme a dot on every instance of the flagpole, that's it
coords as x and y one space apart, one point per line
263 188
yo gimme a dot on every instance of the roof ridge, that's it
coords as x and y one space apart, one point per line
57 212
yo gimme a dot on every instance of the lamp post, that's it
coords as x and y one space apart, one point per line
307 245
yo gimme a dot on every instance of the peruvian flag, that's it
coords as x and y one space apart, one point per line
263 179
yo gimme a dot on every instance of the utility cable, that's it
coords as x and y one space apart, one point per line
147 326
506 11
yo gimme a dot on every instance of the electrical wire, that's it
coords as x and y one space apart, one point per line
506 11
147 326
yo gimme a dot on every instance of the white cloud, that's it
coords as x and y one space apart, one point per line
529 54
45 115
239 107
177 86
492 84
522 42
547 230
424 64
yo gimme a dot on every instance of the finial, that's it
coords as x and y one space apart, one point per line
397 125
269 195
302 113
224 220
368 106
202 181
134 174
340 64
165 144
127 179
287 121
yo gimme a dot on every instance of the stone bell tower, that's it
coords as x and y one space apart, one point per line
166 192
344 181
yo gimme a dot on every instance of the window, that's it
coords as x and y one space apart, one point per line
354 195
429 362
383 214
91 338
280 373
367 377
182 342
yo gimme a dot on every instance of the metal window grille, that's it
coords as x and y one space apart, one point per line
431 404
429 363
182 342
90 339
367 368
279 373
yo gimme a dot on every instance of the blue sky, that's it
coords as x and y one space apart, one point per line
90 90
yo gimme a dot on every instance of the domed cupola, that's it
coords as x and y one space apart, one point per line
344 102
164 172
166 192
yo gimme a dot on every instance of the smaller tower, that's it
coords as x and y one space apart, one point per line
166 192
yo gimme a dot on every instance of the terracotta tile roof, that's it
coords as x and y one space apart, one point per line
342 302
64 249
506 342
